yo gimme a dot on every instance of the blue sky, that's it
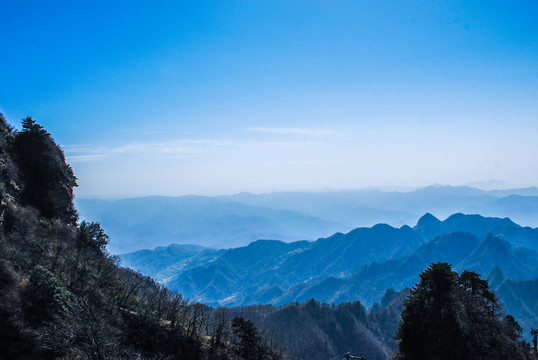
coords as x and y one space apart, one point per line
209 97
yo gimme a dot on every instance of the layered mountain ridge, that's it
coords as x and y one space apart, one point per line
237 220
359 265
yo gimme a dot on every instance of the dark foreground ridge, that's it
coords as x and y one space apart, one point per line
63 296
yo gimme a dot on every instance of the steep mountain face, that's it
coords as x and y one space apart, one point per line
480 226
451 247
358 265
369 281
496 252
462 249
264 270
340 253
520 237
239 271
151 262
519 299
383 317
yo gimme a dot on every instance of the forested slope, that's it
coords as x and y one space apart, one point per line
63 296
319 331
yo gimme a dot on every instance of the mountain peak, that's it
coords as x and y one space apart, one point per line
493 245
427 219
495 277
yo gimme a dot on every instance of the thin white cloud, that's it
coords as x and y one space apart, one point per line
85 157
154 150
279 145
317 132
181 148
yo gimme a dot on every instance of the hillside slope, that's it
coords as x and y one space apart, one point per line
263 271
62 296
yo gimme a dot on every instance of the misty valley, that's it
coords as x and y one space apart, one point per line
258 276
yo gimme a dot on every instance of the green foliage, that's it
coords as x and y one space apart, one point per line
383 318
249 345
45 295
451 316
8 171
152 339
319 331
93 235
48 180
428 321
30 126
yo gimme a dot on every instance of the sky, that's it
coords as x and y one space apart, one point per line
218 97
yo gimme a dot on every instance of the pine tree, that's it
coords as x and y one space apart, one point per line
249 342
451 316
429 328
48 180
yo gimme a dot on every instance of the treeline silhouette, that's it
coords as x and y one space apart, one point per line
318 331
445 316
63 296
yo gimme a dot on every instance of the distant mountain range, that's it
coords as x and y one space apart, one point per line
148 222
237 220
360 265
369 207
